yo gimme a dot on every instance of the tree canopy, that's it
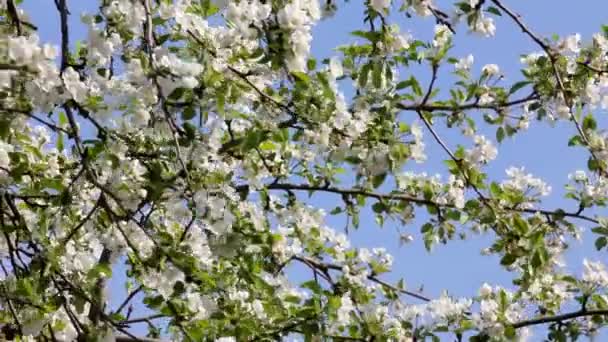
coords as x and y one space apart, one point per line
183 146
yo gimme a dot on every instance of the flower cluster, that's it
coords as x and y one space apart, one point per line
198 152
483 151
298 17
525 183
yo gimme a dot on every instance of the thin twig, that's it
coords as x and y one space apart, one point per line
469 106
50 125
142 319
131 295
324 266
12 311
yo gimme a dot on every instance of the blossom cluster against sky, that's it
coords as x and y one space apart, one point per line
457 265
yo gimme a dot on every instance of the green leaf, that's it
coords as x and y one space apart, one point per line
154 302
539 258
600 230
63 118
220 102
589 123
378 180
500 134
162 39
576 140
177 94
311 64
253 140
336 210
495 189
508 259
403 84
300 76
426 228
5 128
601 242
521 224
593 164
403 127
190 130
188 113
510 332
364 75
99 270
25 287
267 146
60 143
493 10
377 75
369 35
378 207
517 86
313 286
416 86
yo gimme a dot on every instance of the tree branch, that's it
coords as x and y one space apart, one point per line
142 319
408 198
126 338
325 266
129 298
50 125
12 12
559 318
469 106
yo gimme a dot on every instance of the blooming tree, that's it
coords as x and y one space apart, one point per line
182 139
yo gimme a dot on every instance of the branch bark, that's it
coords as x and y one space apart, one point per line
560 318
324 266
407 198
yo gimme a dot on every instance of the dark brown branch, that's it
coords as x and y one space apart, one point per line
592 68
560 318
13 67
82 222
125 338
12 311
517 19
142 319
131 295
126 335
263 95
441 18
470 106
50 125
150 43
412 199
12 12
65 33
443 145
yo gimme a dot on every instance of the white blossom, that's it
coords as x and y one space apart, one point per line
594 273
380 5
464 64
490 69
483 152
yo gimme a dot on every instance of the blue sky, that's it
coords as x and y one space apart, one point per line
458 266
